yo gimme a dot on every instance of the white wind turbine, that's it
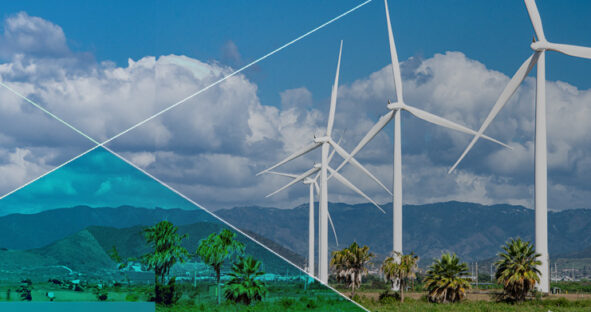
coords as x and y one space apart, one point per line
313 185
540 157
394 113
325 142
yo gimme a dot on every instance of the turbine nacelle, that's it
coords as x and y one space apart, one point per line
540 46
322 139
395 105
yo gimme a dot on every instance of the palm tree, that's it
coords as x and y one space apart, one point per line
399 269
215 249
244 286
349 265
444 279
517 269
166 244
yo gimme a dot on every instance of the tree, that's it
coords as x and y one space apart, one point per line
216 249
349 265
444 279
167 251
244 286
517 270
166 244
400 269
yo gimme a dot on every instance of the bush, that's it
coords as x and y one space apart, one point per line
8 294
309 303
167 294
286 302
102 296
389 297
132 297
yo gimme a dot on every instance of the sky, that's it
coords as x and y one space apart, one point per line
104 66
97 179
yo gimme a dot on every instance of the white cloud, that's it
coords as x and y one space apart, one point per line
212 146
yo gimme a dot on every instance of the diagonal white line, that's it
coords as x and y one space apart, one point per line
228 224
48 112
237 71
175 104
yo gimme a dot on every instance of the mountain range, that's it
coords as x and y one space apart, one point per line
473 231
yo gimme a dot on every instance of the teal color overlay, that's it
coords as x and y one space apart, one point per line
77 307
97 179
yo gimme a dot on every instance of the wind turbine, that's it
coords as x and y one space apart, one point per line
395 110
325 142
313 186
540 45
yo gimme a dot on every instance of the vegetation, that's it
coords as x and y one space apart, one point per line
167 251
216 249
350 264
245 287
25 290
399 269
444 280
516 270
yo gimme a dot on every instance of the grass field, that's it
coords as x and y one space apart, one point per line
282 296
479 301
39 294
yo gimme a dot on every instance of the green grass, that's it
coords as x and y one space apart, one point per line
282 297
411 305
119 294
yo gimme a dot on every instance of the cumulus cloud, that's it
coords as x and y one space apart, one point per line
211 147
24 34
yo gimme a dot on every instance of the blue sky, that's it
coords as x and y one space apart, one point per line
496 33
104 66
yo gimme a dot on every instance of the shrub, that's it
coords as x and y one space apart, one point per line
167 294
389 297
25 292
286 302
132 297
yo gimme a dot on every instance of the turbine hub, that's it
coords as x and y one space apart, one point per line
323 139
395 106
317 166
539 46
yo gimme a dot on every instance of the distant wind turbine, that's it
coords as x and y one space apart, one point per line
540 155
313 185
394 113
313 188
326 142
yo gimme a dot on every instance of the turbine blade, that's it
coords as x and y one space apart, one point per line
354 161
350 185
296 180
394 57
571 50
316 186
289 175
333 96
370 135
536 20
297 154
440 121
333 151
334 231
511 87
